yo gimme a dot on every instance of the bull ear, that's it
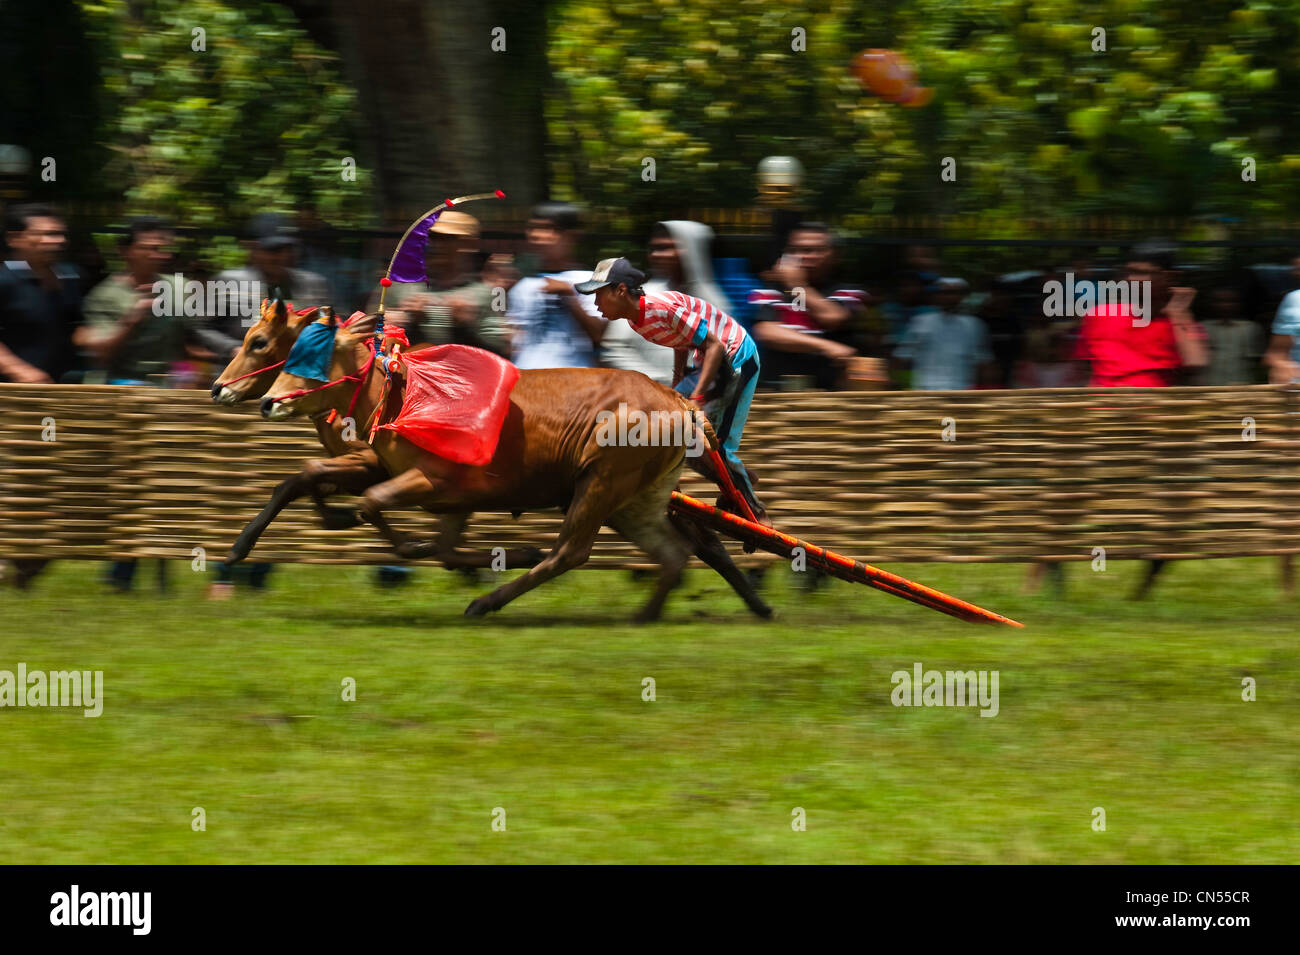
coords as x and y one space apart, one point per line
303 318
360 326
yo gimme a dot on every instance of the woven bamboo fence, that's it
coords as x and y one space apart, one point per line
98 472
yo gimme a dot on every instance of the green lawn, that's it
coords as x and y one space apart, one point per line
236 707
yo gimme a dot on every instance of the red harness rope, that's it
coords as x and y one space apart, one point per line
278 364
360 378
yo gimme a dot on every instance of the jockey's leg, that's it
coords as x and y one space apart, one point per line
728 415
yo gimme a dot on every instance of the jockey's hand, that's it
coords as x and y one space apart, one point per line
463 312
142 309
418 302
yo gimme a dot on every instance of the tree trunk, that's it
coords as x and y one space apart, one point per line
443 114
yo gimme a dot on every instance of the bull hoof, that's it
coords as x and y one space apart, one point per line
479 608
339 518
646 616
414 550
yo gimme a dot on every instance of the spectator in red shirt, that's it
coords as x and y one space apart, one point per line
1154 350
1150 350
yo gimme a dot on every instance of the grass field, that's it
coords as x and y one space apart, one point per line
236 708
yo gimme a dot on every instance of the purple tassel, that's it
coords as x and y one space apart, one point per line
408 263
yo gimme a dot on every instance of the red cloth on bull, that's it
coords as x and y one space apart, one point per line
456 402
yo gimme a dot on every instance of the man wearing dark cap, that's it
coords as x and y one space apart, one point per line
726 358
272 250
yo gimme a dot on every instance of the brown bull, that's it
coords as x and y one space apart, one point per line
549 455
352 467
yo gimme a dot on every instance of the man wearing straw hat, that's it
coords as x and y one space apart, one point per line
455 305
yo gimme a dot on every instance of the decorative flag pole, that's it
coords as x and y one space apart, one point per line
407 263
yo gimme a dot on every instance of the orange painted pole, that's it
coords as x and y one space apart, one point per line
729 486
843 567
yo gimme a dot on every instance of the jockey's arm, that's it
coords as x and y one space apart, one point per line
715 353
679 365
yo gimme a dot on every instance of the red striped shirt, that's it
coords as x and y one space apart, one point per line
682 321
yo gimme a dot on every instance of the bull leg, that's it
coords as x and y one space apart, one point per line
410 488
351 473
645 523
709 548
347 473
1149 581
591 505
26 569
451 528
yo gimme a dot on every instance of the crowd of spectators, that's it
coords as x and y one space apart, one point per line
815 326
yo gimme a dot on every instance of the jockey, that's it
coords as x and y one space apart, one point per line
726 358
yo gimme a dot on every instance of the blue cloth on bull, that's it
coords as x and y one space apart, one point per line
312 353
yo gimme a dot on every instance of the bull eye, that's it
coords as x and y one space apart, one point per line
257 344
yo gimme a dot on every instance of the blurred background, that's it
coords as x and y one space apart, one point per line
1054 139
926 168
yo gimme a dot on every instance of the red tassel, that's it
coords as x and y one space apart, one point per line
500 194
385 281
448 203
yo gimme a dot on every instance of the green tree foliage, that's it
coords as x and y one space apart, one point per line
258 121
1040 123
707 88
47 97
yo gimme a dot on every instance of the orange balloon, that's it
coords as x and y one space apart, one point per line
918 96
890 76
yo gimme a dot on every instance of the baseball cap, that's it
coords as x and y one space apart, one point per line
611 272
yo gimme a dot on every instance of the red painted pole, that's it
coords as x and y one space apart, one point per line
843 567
729 486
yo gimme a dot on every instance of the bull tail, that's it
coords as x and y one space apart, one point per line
701 425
